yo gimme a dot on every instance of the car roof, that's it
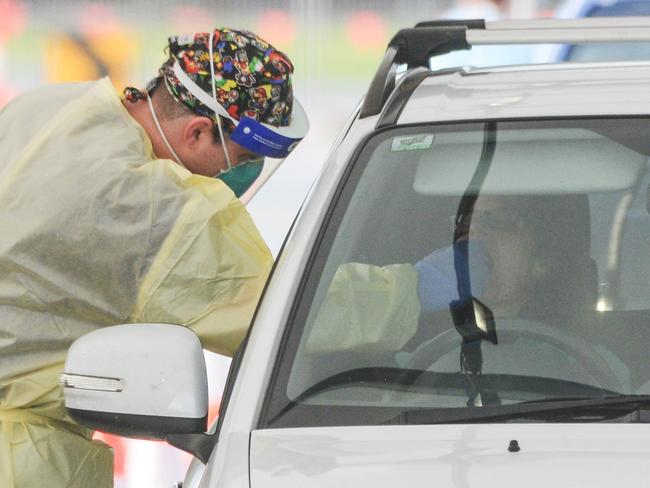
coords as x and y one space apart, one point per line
550 90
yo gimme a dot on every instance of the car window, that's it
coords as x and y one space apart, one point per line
528 240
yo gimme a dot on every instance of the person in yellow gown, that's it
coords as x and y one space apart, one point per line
117 209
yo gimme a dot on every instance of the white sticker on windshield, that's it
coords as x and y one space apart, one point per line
411 143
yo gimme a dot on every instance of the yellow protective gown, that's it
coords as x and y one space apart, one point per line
367 307
95 231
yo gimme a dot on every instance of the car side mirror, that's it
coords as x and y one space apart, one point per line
145 381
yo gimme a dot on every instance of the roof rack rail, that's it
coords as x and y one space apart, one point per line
415 46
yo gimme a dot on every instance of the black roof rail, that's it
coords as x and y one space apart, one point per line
400 96
414 47
469 23
381 86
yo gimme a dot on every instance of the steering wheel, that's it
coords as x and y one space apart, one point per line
511 330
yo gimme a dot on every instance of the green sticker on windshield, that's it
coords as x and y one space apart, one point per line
411 143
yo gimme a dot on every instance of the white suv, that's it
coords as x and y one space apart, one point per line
464 299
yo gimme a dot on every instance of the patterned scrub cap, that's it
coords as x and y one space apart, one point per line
252 78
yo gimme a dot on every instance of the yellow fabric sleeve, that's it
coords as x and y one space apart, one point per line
370 307
210 271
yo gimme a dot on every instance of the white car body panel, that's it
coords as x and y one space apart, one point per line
529 92
452 455
445 456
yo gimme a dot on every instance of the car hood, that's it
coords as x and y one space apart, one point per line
593 455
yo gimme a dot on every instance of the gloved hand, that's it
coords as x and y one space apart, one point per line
437 276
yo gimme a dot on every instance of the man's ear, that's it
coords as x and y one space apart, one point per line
197 132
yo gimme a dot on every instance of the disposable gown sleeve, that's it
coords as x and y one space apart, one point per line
367 307
378 307
210 271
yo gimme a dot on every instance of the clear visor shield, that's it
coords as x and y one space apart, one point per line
270 167
262 139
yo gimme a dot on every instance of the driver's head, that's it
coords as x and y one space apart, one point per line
539 255
516 261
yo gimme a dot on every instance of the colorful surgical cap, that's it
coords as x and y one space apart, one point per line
252 78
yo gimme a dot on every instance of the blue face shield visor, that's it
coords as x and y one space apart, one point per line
257 137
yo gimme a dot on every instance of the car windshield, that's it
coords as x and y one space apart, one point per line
475 265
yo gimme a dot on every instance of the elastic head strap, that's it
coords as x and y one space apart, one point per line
162 134
214 97
207 100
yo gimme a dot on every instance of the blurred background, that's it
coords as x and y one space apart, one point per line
335 46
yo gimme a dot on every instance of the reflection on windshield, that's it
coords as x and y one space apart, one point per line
452 258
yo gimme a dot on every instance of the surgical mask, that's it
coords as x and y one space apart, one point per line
241 177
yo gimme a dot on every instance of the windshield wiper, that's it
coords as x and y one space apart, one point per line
438 383
548 409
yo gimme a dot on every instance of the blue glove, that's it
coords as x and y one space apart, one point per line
437 282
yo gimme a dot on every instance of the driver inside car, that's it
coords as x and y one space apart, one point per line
505 262
527 257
